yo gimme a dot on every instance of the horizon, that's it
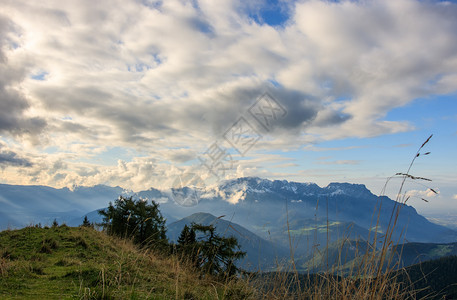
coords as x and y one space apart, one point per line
141 94
168 188
173 197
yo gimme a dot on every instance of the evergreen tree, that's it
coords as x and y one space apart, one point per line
86 222
135 219
216 254
54 223
187 236
187 244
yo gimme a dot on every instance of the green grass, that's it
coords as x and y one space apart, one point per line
320 228
441 250
82 263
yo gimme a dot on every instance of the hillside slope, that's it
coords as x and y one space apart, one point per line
434 279
82 263
414 253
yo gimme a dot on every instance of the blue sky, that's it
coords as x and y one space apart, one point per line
136 93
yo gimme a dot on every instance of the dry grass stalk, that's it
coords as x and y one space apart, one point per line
369 278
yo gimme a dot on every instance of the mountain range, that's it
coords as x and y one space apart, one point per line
273 216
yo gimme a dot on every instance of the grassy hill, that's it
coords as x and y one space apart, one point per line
82 263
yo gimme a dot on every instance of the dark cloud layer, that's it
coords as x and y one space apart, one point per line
9 158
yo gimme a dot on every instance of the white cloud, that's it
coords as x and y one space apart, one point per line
167 79
421 194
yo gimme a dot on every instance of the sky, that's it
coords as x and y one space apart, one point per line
142 93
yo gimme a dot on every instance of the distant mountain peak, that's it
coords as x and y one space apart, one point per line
202 214
263 182
239 189
352 189
201 218
346 184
